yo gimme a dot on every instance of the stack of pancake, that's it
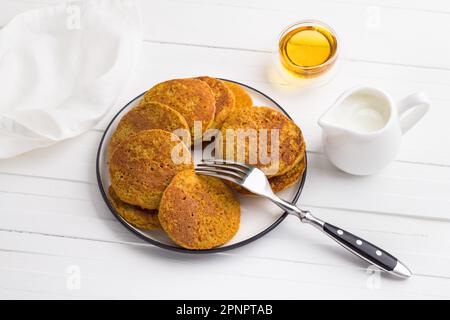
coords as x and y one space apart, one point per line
153 183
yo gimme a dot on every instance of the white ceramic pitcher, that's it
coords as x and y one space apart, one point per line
362 130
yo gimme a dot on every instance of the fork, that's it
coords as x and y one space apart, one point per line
255 181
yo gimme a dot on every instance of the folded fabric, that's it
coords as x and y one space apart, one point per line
62 68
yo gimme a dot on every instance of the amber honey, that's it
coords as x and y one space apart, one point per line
308 49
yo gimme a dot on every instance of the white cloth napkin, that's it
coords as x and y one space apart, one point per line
62 68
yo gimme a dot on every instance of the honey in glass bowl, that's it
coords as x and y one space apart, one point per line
308 48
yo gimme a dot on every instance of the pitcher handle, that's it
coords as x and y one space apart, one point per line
420 102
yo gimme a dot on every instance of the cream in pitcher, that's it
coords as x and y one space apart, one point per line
362 130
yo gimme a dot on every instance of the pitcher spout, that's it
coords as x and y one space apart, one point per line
329 126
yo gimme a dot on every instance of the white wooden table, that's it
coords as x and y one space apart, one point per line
58 239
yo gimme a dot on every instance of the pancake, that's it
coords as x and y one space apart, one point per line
224 98
140 218
260 123
148 115
288 179
199 212
278 183
192 98
142 167
241 98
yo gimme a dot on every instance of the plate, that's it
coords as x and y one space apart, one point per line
258 216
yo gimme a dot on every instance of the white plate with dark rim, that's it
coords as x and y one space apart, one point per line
258 216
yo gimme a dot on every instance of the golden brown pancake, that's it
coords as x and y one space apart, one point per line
199 212
142 166
140 218
278 183
148 115
259 124
223 95
192 98
241 98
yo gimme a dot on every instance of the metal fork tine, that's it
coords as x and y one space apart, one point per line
223 166
221 171
228 162
213 173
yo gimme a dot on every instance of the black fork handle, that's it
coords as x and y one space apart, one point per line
356 245
360 247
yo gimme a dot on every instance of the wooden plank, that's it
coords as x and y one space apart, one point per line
395 190
392 40
440 6
424 244
326 185
366 37
112 271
